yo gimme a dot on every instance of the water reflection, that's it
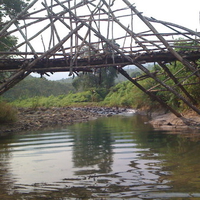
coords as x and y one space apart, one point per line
109 158
92 147
6 181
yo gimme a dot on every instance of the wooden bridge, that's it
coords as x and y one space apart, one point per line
84 35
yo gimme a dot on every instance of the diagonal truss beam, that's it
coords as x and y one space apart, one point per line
102 12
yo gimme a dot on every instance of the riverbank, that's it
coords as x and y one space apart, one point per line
40 118
168 121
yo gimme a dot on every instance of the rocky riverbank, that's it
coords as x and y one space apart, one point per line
40 118
168 121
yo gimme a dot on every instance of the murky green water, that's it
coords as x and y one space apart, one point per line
119 157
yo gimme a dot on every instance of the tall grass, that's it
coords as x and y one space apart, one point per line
59 101
7 113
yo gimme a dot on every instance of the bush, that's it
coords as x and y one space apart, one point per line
7 113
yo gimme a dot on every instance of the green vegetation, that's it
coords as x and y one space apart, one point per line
85 90
125 94
9 8
183 45
57 101
103 78
33 87
7 113
103 87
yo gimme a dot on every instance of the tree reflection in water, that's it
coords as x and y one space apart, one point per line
92 147
6 179
116 157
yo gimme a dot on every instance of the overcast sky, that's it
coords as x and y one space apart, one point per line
182 12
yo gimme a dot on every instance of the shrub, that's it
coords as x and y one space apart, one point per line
35 103
7 113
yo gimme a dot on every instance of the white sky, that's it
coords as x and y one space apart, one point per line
182 12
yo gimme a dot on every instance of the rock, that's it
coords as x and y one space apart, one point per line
34 119
31 119
170 121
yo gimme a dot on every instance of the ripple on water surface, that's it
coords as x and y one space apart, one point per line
117 157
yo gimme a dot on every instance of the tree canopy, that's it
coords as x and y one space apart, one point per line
11 7
31 87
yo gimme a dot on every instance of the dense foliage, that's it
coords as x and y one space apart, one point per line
35 92
11 7
81 98
32 87
8 9
103 79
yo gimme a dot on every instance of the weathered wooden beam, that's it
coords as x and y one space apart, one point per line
175 25
136 63
14 64
169 88
150 94
28 65
174 79
161 38
26 40
5 28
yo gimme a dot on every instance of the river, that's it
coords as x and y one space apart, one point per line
118 157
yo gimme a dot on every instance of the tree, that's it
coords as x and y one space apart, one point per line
9 8
31 87
107 77
108 50
86 51
85 82
184 45
102 78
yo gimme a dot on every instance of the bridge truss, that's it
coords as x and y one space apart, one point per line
86 35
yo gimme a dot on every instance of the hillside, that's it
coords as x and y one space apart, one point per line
31 87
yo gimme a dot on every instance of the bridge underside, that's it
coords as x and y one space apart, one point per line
83 36
93 62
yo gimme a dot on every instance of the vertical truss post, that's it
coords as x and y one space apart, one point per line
168 87
129 58
177 55
26 67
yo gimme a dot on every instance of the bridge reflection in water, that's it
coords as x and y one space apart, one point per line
84 36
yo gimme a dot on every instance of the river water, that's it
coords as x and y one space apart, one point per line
118 157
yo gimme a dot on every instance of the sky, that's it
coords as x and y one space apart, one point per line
182 12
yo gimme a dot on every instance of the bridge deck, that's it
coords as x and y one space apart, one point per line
85 64
59 35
